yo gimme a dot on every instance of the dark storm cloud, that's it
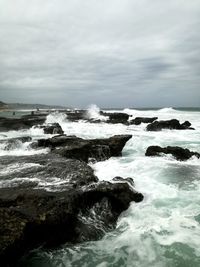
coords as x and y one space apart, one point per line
109 52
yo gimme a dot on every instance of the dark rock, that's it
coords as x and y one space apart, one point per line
139 120
169 124
52 128
84 210
78 148
118 117
13 143
178 152
8 124
44 167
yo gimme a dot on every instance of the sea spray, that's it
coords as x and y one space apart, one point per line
93 112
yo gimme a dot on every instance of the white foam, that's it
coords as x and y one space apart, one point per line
22 149
56 117
93 112
165 219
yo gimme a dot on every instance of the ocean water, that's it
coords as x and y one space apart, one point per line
161 231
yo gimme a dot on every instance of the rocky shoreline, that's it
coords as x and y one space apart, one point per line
85 208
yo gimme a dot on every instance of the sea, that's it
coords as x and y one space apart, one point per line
161 231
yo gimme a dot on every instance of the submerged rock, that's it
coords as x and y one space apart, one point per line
84 210
178 152
82 149
169 124
13 143
139 120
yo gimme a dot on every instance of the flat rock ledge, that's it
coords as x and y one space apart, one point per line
178 152
83 211
26 122
83 149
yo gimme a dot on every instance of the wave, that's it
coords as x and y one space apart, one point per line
20 149
93 112
167 110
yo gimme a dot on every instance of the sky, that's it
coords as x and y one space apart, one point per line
113 53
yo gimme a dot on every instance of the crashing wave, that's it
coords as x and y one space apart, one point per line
93 112
56 117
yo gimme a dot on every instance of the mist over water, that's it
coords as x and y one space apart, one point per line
161 231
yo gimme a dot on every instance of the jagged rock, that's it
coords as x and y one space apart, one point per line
82 211
78 148
139 120
13 143
178 152
52 128
169 124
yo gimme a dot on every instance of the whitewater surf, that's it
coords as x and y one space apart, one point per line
164 229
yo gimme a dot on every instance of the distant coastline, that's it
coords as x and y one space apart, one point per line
18 106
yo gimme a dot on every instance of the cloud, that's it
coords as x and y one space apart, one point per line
109 52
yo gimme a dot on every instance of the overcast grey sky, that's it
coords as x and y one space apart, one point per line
115 53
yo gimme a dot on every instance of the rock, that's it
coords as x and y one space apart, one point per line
78 148
139 120
117 117
178 152
169 124
8 124
13 143
121 179
84 210
52 128
41 168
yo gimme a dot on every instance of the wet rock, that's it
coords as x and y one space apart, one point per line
52 128
178 152
8 124
169 124
84 210
139 120
121 179
78 148
118 117
44 169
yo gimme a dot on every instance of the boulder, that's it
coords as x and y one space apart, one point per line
118 117
139 120
178 152
82 149
52 128
169 124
